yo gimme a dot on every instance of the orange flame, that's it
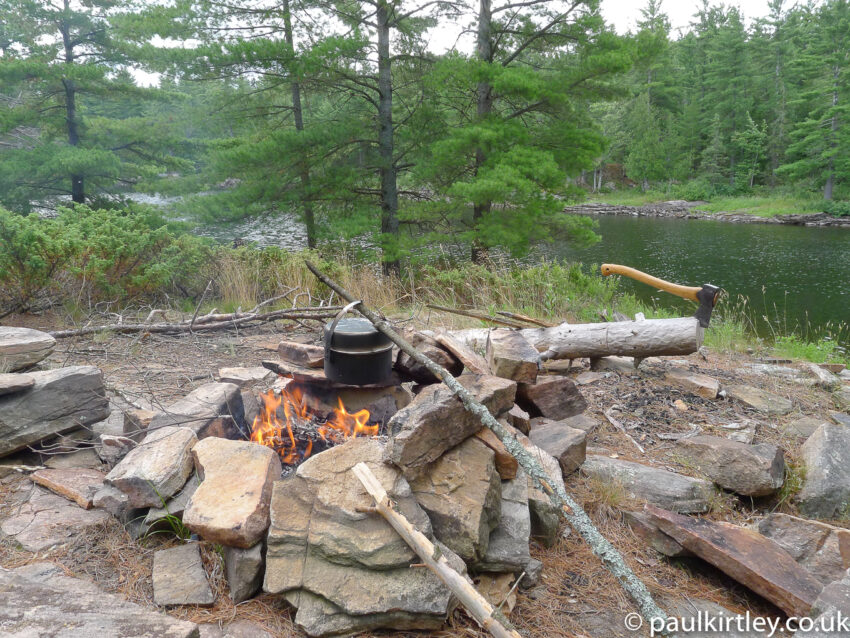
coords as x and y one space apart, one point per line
271 431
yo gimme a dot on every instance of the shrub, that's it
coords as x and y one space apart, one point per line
837 208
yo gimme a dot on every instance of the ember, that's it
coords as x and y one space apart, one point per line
298 430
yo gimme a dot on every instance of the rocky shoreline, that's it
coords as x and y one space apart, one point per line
680 209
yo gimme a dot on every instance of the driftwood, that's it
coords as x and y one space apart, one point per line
641 339
568 508
204 323
489 617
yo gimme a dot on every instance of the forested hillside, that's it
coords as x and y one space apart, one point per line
348 114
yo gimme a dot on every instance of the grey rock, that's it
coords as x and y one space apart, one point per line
533 572
17 382
23 347
567 444
621 365
669 490
510 356
251 407
235 629
114 501
519 418
39 601
583 422
699 384
507 550
174 506
803 427
644 527
156 469
245 376
85 458
830 609
213 409
45 520
111 449
740 431
822 549
179 577
461 492
841 398
60 400
826 489
552 397
750 470
428 346
136 423
759 400
840 418
586 378
436 421
244 569
695 610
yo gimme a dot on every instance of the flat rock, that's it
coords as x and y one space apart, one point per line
428 346
803 427
740 431
706 614
552 397
507 549
342 566
841 398
821 548
174 506
746 556
643 525
823 377
60 400
654 485
586 378
155 470
235 629
179 577
231 505
620 365
840 418
436 421
510 356
78 485
39 601
301 354
471 360
245 376
23 347
759 400
583 422
461 493
826 488
244 569
749 470
85 458
699 384
213 409
567 444
45 520
15 382
506 464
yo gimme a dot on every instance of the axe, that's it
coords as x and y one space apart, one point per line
706 296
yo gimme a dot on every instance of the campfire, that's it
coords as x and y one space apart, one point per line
289 424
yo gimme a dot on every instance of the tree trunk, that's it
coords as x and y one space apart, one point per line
484 50
830 178
389 187
304 171
78 194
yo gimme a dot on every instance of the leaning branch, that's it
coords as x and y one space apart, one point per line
568 508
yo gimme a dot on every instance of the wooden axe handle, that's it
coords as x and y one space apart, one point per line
686 292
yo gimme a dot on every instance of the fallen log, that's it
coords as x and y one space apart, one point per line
489 617
641 339
568 508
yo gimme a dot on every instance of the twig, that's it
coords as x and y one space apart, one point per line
477 315
622 429
489 617
531 320
200 301
513 589
568 508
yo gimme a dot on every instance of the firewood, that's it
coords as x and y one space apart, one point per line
482 611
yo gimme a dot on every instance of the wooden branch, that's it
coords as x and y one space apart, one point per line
568 508
208 322
489 617
477 315
200 301
518 317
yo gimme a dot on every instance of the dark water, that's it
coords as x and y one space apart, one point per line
794 275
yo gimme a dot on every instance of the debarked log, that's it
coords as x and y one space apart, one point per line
641 339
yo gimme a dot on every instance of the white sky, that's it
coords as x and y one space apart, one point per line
624 14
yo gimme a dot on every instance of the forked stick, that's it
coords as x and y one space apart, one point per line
487 616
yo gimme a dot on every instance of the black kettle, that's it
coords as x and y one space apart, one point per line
356 353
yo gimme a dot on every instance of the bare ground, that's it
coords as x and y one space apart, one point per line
576 597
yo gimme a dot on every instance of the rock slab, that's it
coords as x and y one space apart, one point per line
231 505
510 356
244 570
59 400
750 470
39 601
552 397
746 556
666 489
17 382
759 400
567 444
213 409
699 384
179 577
23 347
826 489
78 484
155 470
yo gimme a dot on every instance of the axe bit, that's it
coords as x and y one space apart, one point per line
706 296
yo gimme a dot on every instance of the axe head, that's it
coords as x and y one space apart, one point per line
707 297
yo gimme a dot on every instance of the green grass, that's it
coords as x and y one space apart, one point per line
820 351
760 205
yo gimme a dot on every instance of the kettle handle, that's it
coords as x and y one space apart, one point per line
330 334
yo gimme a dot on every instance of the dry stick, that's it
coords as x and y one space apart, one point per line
526 319
477 315
569 509
489 617
622 429
200 301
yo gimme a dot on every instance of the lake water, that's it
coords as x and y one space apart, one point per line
795 276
